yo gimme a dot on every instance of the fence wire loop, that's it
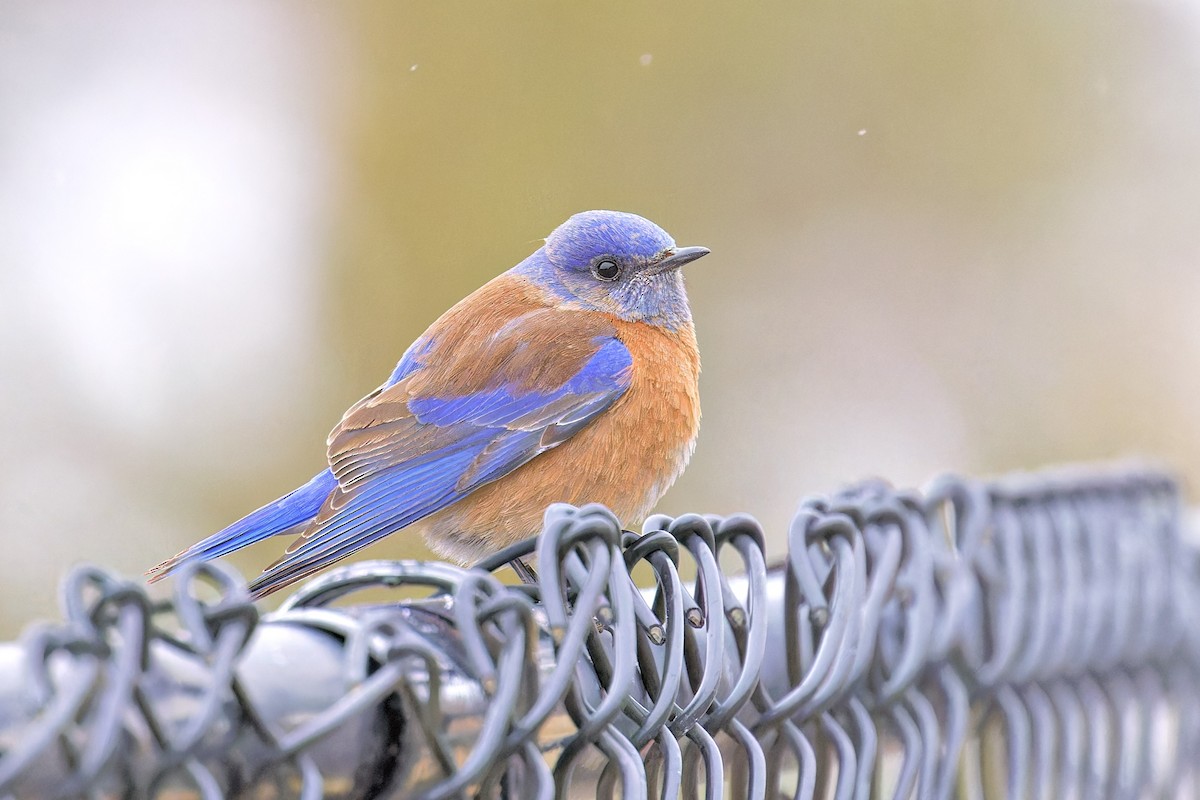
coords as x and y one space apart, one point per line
1033 636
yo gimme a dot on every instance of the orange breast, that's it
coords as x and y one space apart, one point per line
626 459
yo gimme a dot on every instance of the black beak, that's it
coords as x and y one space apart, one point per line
678 256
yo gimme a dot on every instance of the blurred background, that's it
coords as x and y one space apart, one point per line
945 237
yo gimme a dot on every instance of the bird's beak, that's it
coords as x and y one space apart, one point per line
676 257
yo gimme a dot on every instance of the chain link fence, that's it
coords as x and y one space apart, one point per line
1034 636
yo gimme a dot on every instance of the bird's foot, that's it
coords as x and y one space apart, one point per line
524 571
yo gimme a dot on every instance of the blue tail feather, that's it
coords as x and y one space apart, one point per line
294 508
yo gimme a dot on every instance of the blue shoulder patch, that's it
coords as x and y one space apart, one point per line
410 360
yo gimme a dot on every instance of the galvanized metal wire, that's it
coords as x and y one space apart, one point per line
1035 636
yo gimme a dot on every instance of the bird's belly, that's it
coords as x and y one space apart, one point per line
626 459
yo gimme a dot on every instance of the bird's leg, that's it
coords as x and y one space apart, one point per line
524 571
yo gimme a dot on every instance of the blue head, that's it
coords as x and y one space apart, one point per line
619 263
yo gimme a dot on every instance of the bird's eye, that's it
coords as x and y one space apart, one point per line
606 269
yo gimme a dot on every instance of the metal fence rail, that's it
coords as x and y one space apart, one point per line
1032 637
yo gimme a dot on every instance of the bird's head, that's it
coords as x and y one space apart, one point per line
619 263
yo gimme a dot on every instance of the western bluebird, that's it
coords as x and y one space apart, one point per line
572 377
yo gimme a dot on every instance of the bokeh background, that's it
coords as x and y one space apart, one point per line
946 236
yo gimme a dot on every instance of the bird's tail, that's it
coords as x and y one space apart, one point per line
283 515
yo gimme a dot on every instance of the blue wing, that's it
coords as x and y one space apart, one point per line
400 455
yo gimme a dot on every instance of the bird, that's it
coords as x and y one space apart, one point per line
572 377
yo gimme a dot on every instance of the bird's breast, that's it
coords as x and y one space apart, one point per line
654 424
626 459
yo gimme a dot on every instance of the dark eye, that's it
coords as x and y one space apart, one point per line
606 269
